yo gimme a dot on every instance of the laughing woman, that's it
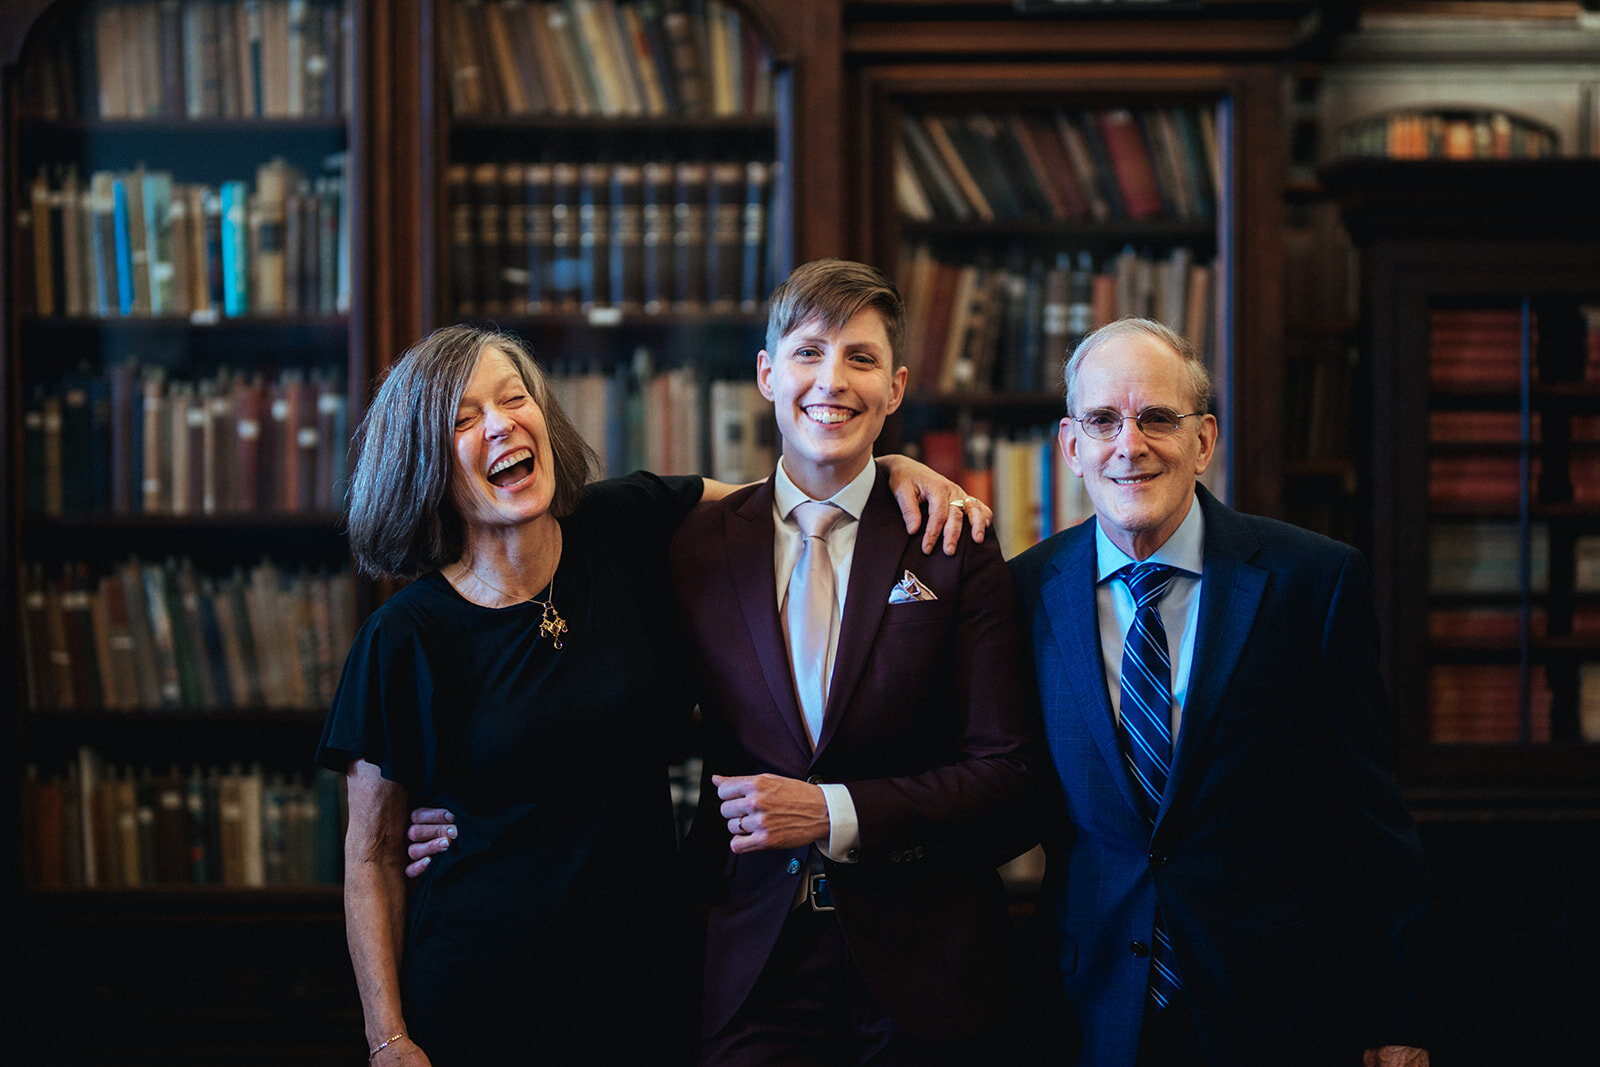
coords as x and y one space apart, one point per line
524 680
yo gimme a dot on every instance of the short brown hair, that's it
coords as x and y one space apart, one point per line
401 518
1199 377
832 292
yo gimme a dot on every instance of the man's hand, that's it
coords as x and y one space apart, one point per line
766 811
1395 1056
430 833
913 482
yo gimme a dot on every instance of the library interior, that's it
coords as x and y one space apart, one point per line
222 220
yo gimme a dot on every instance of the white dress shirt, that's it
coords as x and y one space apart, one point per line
1179 608
844 831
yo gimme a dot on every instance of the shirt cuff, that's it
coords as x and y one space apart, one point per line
844 832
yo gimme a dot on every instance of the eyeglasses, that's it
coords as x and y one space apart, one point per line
1103 424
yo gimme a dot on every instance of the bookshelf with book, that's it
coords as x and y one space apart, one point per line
182 325
1481 352
616 185
1482 321
1024 202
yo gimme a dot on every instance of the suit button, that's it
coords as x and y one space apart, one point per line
853 855
1139 948
1158 859
794 866
815 779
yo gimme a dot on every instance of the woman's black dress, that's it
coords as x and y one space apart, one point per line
552 929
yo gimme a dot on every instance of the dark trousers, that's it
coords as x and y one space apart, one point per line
811 1008
1168 1037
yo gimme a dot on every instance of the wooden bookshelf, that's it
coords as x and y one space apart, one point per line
184 317
623 194
1053 263
1483 351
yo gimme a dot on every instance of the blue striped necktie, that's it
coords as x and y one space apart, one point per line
1146 729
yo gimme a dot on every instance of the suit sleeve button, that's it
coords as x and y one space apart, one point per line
794 866
1139 948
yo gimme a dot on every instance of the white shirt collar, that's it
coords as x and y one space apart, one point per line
1185 549
852 499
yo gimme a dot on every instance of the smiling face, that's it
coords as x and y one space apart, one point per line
1141 487
504 472
831 392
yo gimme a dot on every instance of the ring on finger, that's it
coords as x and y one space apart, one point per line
959 503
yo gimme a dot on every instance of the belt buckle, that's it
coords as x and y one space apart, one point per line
820 896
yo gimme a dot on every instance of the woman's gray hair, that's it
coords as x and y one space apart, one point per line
402 521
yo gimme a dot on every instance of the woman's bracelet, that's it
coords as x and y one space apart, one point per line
385 1043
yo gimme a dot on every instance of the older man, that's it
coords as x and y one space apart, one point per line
1236 879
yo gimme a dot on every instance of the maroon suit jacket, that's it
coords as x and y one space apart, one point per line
929 723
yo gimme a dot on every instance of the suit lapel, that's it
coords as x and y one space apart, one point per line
1230 595
749 531
880 546
1069 599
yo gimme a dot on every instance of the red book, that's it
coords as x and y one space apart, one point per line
943 451
1131 163
1048 153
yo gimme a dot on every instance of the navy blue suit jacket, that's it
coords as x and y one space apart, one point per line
1283 859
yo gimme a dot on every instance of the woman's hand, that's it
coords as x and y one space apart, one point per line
948 504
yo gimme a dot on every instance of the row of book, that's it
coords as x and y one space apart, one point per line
197 60
670 421
651 237
1409 134
977 325
139 243
1483 346
606 58
1495 480
1486 557
1505 623
144 636
1482 704
97 826
134 440
1020 472
1077 164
